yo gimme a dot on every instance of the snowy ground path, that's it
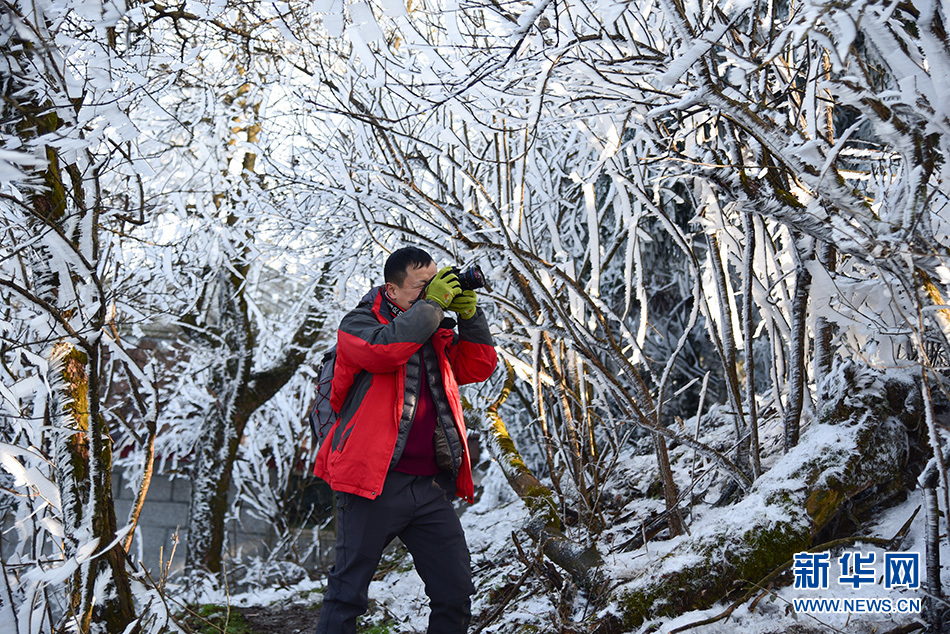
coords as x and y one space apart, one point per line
291 619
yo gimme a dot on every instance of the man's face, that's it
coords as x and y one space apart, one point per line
416 280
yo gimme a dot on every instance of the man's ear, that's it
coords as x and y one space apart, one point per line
389 289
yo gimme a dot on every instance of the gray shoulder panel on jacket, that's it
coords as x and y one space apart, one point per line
476 329
415 325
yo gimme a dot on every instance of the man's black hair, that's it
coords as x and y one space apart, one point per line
400 260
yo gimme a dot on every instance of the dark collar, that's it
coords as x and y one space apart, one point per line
390 307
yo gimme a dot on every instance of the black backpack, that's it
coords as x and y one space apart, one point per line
321 415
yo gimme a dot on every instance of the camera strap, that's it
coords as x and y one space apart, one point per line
394 309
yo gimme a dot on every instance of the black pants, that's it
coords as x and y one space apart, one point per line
418 510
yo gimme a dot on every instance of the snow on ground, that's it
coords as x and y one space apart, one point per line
399 597
773 612
488 526
307 591
491 521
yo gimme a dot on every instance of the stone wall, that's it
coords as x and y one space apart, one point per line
165 516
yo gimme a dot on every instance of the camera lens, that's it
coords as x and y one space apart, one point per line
471 278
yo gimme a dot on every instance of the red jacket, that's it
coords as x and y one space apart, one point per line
379 362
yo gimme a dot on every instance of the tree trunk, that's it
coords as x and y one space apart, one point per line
728 353
222 423
238 393
796 356
934 607
84 474
543 524
824 330
748 274
99 589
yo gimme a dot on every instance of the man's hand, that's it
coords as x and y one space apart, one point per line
464 304
444 287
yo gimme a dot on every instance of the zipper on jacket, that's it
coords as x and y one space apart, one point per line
456 459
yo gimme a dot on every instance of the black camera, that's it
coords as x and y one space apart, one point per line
471 278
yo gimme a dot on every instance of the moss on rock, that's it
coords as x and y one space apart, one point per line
724 564
859 447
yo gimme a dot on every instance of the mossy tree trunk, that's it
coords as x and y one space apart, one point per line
99 591
543 524
84 473
238 392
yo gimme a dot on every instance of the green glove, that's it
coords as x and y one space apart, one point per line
444 287
464 304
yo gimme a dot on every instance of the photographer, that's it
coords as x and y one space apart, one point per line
398 454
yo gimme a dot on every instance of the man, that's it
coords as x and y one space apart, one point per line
398 454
